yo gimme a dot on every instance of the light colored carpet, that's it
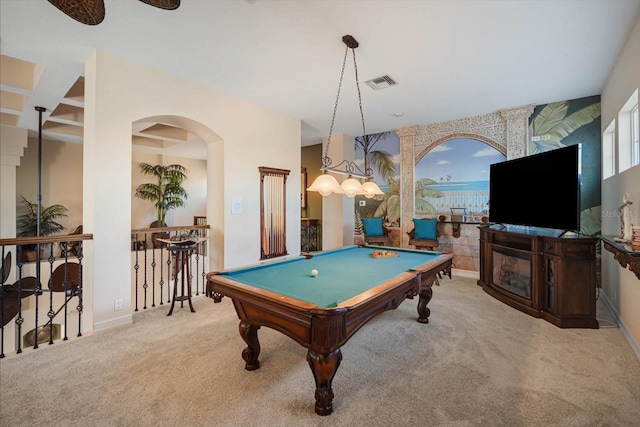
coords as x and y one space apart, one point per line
478 363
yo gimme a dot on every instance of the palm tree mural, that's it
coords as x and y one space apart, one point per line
552 125
380 161
389 208
548 130
423 192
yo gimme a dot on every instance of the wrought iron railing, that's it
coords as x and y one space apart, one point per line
47 269
41 294
153 267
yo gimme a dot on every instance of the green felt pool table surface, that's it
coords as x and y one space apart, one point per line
342 273
321 313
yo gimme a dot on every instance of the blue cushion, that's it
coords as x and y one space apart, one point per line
425 229
373 226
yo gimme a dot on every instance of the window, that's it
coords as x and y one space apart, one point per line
635 143
628 155
608 151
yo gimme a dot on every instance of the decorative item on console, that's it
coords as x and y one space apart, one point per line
458 216
626 228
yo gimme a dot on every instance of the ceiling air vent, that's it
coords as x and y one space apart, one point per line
381 82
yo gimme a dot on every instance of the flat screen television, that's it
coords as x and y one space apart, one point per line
541 190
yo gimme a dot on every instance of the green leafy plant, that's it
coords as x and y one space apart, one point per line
167 192
28 221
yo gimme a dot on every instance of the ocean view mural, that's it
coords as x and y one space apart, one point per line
455 174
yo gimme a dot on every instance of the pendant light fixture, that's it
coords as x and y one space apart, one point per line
326 183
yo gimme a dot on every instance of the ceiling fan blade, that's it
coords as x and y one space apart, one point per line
163 4
90 12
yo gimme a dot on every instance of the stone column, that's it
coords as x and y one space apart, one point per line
517 119
407 181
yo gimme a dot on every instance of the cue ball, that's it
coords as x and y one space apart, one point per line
314 273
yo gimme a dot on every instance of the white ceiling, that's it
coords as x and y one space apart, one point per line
451 59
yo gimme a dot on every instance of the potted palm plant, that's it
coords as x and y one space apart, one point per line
167 192
28 224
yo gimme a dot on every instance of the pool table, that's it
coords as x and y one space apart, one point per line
322 312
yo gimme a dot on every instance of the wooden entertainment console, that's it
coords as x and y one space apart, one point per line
541 273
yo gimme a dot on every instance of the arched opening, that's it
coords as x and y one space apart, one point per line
452 177
169 140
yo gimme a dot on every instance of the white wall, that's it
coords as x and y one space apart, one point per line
621 286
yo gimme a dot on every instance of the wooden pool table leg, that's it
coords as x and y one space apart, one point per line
249 334
423 311
324 367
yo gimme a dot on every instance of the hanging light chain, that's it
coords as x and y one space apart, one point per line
365 145
325 183
326 160
355 66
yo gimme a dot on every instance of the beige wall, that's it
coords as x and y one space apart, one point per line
621 286
241 137
61 178
62 172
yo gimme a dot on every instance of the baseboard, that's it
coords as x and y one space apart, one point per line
465 273
113 323
625 331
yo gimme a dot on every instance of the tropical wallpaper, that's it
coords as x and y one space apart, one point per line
565 123
384 162
454 176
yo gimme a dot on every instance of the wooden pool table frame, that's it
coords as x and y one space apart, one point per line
322 330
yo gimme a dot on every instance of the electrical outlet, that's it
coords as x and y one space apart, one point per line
117 305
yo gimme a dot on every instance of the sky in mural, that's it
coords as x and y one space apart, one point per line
458 160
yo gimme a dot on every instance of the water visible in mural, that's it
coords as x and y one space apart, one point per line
453 178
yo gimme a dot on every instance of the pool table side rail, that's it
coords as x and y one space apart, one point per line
318 328
260 307
436 265
369 304
230 285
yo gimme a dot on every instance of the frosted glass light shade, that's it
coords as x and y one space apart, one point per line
371 189
352 187
325 184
